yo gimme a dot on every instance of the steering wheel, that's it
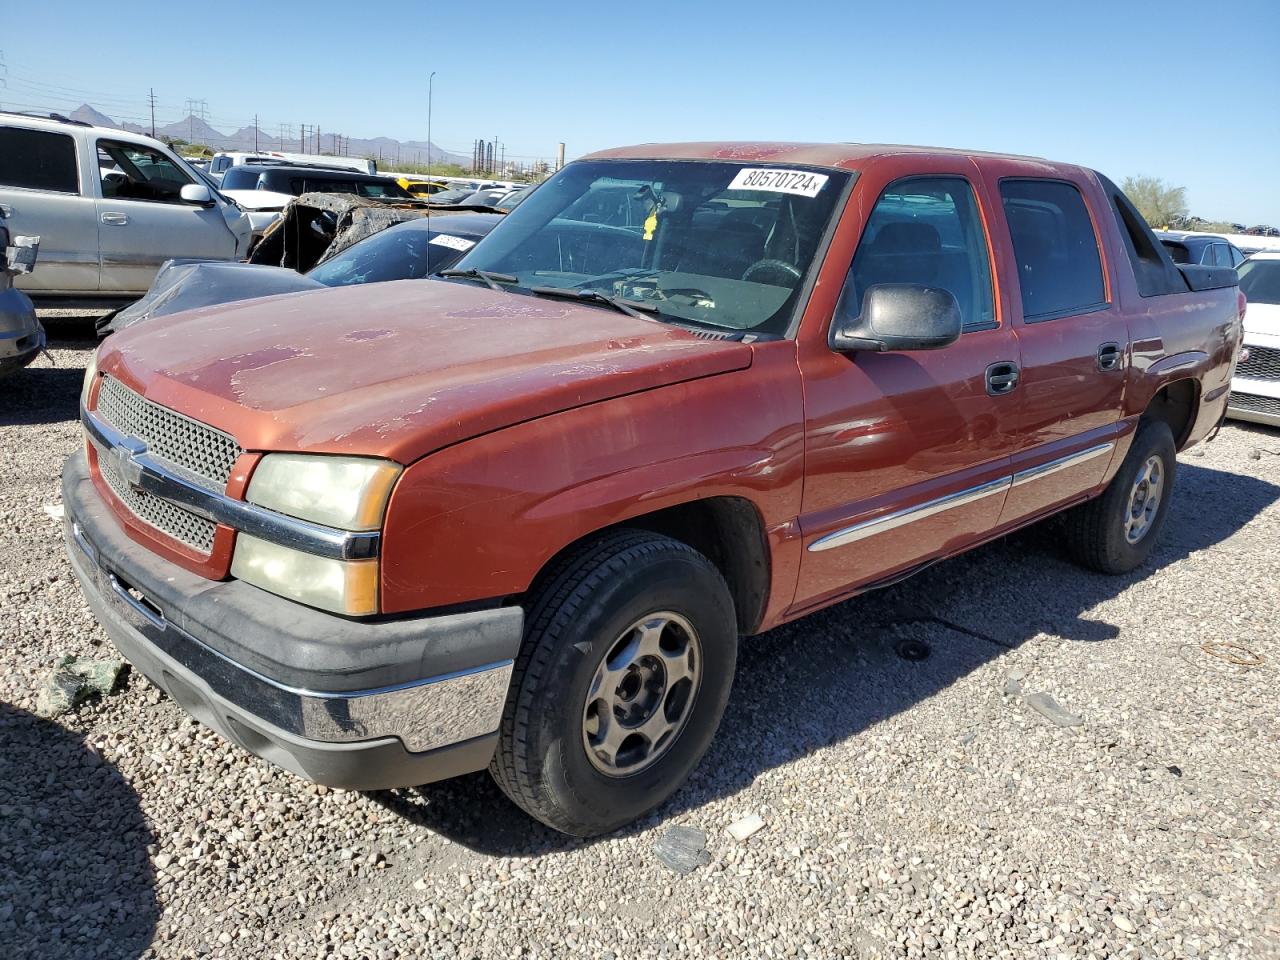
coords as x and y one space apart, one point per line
788 271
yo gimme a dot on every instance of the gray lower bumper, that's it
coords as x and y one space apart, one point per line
17 350
438 722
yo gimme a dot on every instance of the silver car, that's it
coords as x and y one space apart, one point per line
109 206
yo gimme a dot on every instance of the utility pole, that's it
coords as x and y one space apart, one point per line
560 156
317 138
255 133
430 96
302 139
194 108
151 97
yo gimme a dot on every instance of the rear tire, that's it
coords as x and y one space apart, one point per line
1116 532
629 651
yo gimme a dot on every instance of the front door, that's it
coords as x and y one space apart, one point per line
143 220
907 454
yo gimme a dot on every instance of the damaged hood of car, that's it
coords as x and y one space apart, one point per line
400 369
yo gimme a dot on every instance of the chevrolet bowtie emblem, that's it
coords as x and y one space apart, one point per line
123 457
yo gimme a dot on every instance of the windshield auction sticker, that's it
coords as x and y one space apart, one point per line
454 243
801 183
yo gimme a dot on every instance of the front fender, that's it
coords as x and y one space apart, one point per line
480 519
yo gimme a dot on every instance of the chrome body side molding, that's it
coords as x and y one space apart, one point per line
869 528
1062 463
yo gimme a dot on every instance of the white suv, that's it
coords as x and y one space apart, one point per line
109 207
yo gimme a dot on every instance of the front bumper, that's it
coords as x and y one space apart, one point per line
18 351
21 335
356 704
1257 401
1255 393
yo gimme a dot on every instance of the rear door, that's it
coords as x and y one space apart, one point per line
144 221
42 194
907 454
1073 337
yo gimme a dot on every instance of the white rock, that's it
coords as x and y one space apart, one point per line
741 829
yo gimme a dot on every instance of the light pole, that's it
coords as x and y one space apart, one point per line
430 90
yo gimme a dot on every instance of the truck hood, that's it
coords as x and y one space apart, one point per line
260 199
399 369
1262 319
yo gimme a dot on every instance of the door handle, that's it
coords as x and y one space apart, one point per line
1109 356
115 219
1002 377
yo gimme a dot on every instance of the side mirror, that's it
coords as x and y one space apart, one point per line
897 316
197 193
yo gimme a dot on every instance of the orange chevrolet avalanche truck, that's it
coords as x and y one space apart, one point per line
518 516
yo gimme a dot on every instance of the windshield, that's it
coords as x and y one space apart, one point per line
1260 280
243 177
404 252
452 196
722 245
513 199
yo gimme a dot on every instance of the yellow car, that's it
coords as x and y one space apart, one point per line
422 188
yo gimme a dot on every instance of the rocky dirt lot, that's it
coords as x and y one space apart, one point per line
912 807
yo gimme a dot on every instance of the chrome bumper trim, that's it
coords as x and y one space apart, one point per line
150 474
423 714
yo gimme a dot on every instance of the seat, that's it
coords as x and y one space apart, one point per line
902 251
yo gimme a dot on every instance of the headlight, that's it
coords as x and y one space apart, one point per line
345 492
90 374
348 587
349 493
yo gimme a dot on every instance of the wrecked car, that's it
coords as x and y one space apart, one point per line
21 335
406 251
263 190
519 519
317 226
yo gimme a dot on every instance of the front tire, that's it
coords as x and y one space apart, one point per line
1116 532
629 651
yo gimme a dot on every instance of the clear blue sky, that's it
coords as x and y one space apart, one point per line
1186 91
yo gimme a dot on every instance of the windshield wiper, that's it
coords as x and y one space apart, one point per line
629 307
484 276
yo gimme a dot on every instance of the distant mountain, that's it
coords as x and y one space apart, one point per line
195 130
86 114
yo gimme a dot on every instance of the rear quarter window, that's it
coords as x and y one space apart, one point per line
1059 269
38 160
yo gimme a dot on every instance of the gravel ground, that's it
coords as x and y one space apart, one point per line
912 808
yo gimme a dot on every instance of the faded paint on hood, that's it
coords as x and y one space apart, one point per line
399 369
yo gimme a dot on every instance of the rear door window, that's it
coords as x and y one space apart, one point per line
1059 269
927 230
38 160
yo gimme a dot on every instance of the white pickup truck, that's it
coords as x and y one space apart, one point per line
109 206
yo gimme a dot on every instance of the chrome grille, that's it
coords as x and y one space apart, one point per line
1263 364
184 527
1254 403
202 454
194 447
